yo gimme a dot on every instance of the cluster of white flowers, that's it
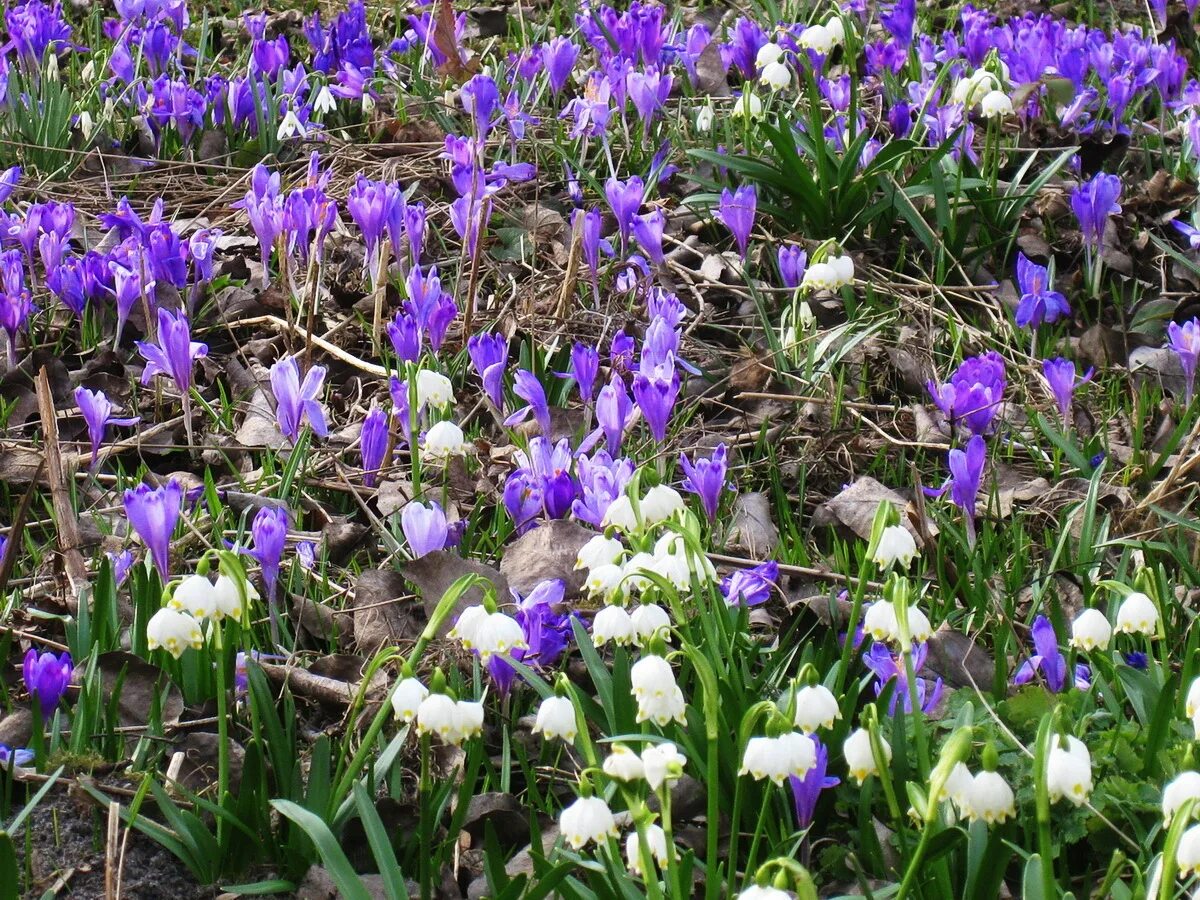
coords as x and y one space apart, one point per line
1069 771
177 626
487 633
823 38
832 274
659 764
777 758
982 88
659 698
659 504
881 623
452 721
774 72
1137 614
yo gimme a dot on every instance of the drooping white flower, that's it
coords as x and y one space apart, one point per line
663 764
228 599
919 627
1137 614
443 440
1192 705
605 582
635 569
612 623
776 758
880 621
556 719
1069 771
656 840
468 719
990 799
434 389
660 503
767 54
407 697
437 714
860 760
174 632
649 621
195 596
836 29
1187 854
749 106
820 276
1184 787
763 892
817 38
658 697
498 633
996 104
1091 631
816 707
972 89
599 551
467 625
958 784
843 270
586 820
704 118
896 545
290 126
776 76
623 764
620 515
325 102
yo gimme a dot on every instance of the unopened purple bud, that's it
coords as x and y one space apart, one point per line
373 443
1060 377
405 335
153 514
528 388
268 532
1093 202
736 212
558 56
424 527
793 261
648 230
489 357
706 479
46 678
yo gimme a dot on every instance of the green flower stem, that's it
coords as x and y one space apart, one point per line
423 788
223 731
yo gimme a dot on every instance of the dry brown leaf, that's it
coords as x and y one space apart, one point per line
751 529
546 553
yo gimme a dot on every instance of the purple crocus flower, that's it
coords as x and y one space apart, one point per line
528 388
585 366
14 756
706 479
602 480
888 666
648 90
793 261
128 288
153 514
294 401
480 98
489 357
97 412
974 392
1185 341
1188 231
67 283
1038 302
1046 659
405 334
522 499
966 473
176 352
1093 202
121 564
1060 377
46 678
750 587
900 20
547 631
648 231
424 527
558 57
200 248
373 443
655 393
613 411
807 790
624 199
268 534
8 182
736 212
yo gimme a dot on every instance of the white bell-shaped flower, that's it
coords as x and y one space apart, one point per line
817 38
443 440
660 503
816 707
896 545
612 623
437 714
990 799
820 276
650 621
620 516
919 627
599 551
1137 614
1185 786
776 76
606 582
623 764
1069 771
836 29
843 269
407 698
1091 631
748 106
860 760
996 104
658 697
763 892
663 764
958 785
556 719
468 719
174 632
656 841
1192 704
704 118
635 569
195 596
467 626
498 633
434 389
777 758
585 821
228 599
1187 854
880 622
767 54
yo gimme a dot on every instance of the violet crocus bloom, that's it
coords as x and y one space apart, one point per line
806 791
200 248
8 182
736 212
613 411
547 631
602 480
528 388
153 514
14 756
121 564
624 199
489 357
1185 341
405 334
268 534
522 499
97 412
296 401
655 394
1046 659
966 473
585 366
46 678
1038 302
176 352
1062 381
793 262
648 231
887 667
373 443
1188 231
750 587
974 392
1093 202
558 57
706 479
372 204
424 526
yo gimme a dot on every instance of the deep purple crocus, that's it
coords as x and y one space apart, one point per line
585 366
97 412
1038 303
547 631
602 480
624 199
372 205
655 393
558 57
889 666
750 587
489 357
1046 659
806 791
121 563
522 499
973 394
46 678
793 261
706 479
296 401
1185 341
966 473
613 411
405 334
14 756
153 514
528 388
1062 381
1093 202
373 443
648 231
176 352
736 212
424 526
268 534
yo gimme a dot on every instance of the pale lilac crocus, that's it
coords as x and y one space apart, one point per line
121 563
750 587
153 514
1038 302
736 212
296 401
489 357
1185 341
1093 202
97 412
648 232
174 354
425 528
706 478
1062 381
614 410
